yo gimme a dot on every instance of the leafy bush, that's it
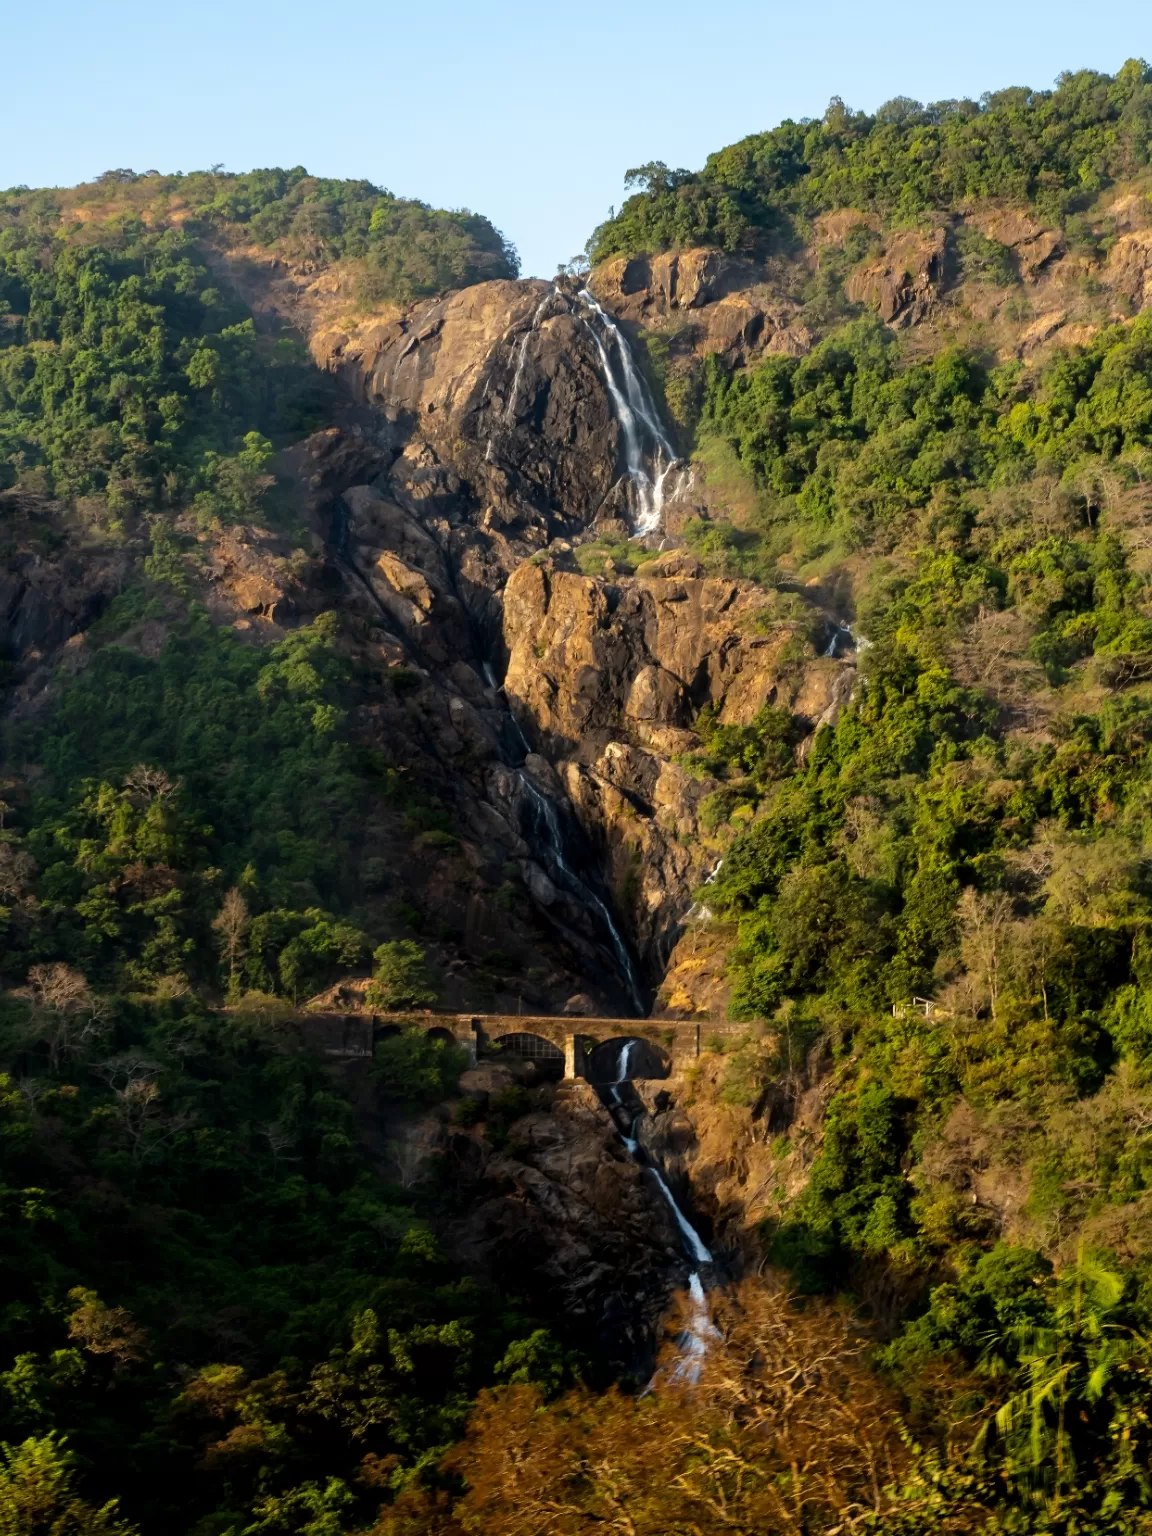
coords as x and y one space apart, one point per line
401 978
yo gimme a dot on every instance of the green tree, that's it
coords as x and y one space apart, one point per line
401 978
38 1495
1068 1364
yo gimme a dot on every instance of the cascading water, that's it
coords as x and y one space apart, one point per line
699 1328
844 634
648 455
548 822
538 315
650 460
700 911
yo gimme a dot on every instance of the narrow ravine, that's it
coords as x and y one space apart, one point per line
699 1330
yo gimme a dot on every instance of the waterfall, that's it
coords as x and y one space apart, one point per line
538 315
549 820
688 1232
648 455
850 636
698 1334
650 459
699 1330
625 1058
698 910
837 635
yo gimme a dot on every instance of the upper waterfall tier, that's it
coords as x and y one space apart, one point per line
534 391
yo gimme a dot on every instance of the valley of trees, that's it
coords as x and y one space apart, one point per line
221 1314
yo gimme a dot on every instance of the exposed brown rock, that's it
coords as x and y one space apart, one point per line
1041 330
607 677
1129 267
904 284
1034 244
833 228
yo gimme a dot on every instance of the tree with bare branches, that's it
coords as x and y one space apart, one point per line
148 783
66 1013
231 927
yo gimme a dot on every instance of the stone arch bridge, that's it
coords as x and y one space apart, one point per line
574 1042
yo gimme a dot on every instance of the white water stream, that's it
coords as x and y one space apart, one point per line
844 633
648 455
699 1330
554 837
546 811
650 459
538 315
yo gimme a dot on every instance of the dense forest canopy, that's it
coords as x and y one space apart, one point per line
181 829
1045 148
126 367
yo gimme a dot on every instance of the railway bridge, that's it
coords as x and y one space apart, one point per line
575 1047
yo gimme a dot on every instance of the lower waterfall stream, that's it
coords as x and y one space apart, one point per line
699 1329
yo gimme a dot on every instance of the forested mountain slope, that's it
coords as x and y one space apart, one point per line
336 668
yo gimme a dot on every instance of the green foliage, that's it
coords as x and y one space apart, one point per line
401 978
1042 147
761 751
604 556
985 260
417 1066
37 1496
853 439
405 249
858 1199
408 249
174 777
749 757
126 375
279 1314
730 551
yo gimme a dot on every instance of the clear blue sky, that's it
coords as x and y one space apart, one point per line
529 113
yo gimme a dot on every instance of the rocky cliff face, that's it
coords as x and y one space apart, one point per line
478 440
562 1213
607 678
480 437
502 448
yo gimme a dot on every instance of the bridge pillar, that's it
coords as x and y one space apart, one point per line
465 1036
576 1055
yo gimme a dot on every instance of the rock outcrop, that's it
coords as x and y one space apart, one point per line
716 302
905 282
607 678
563 1215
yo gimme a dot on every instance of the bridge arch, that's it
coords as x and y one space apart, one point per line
528 1046
645 1059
